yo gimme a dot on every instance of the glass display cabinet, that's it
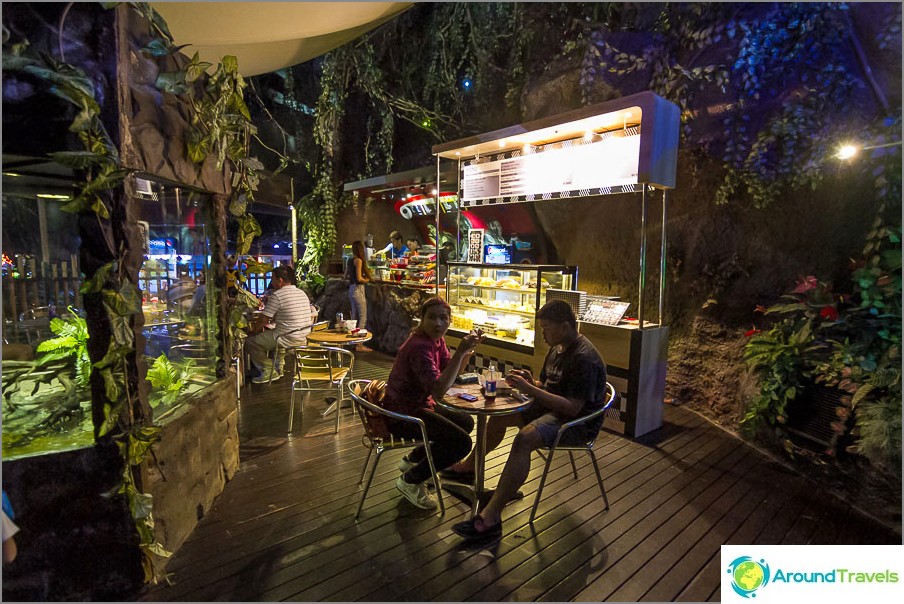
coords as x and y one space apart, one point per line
502 299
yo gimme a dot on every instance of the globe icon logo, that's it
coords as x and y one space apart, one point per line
748 575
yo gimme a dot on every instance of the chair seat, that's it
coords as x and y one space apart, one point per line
318 369
335 375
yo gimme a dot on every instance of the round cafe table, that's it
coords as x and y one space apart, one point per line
481 409
333 337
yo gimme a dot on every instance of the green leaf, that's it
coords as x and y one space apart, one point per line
172 82
141 505
158 549
161 48
248 230
96 282
76 206
110 420
139 447
100 208
230 64
79 160
122 331
124 301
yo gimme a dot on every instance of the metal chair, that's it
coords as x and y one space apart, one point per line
611 397
330 367
376 438
279 355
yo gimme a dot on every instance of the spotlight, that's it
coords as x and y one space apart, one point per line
846 152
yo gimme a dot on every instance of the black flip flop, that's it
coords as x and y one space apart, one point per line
468 530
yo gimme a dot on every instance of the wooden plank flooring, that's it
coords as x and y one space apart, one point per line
283 529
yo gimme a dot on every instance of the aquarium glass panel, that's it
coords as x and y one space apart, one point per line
45 367
178 301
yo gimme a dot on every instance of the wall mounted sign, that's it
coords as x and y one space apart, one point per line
618 146
567 169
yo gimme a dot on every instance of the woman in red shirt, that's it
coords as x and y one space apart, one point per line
422 372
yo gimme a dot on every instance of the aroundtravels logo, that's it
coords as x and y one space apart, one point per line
748 575
815 573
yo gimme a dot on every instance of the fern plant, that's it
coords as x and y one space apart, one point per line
779 358
72 341
169 379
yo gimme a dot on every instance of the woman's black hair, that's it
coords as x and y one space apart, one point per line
435 301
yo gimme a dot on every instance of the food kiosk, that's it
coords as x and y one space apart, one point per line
627 145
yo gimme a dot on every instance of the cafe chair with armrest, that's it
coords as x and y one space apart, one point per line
587 446
319 369
279 355
377 438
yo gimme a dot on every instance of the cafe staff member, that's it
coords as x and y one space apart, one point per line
395 248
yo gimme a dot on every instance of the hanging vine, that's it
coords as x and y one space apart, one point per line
122 419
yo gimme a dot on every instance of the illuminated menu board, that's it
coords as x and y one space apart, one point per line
569 166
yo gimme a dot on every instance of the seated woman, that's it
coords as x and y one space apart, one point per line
422 373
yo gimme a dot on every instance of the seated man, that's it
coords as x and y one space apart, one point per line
572 384
290 308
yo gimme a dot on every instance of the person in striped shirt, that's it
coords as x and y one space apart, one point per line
290 309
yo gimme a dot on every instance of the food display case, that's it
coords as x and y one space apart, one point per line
412 271
502 299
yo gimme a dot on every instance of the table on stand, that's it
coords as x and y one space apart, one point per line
334 337
481 409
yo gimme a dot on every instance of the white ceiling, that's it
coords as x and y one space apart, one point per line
266 36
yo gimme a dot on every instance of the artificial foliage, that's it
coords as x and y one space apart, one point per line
71 342
169 379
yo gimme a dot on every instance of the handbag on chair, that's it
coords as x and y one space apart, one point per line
376 423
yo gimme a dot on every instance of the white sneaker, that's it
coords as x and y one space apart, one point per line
406 464
417 494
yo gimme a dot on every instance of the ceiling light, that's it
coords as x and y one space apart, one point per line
11 174
52 196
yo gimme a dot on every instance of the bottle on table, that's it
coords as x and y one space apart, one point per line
489 382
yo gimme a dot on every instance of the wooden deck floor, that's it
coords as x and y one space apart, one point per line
283 529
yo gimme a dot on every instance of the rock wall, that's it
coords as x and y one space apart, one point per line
197 455
391 310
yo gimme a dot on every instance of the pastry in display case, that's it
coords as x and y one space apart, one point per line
502 299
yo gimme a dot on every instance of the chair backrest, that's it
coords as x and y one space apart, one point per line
611 397
322 363
373 421
320 326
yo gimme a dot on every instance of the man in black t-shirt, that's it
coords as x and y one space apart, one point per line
572 384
